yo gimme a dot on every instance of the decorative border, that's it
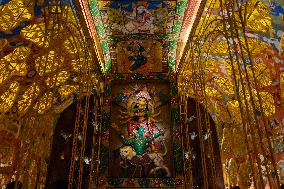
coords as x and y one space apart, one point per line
87 16
190 16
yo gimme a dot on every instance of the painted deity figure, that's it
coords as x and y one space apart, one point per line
141 151
139 141
141 117
141 20
135 154
138 17
137 58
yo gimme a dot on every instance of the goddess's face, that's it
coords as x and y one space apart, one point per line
124 153
142 101
141 9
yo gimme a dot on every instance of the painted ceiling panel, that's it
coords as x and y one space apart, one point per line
138 17
137 36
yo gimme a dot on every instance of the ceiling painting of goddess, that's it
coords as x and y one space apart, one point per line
138 17
139 56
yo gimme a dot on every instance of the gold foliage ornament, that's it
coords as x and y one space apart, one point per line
36 34
45 103
14 63
206 29
258 17
13 13
37 80
217 47
28 98
7 99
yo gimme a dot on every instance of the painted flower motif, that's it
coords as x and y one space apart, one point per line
106 102
102 182
105 136
174 101
156 182
108 78
176 133
130 182
178 182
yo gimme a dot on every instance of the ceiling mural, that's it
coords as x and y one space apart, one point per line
140 23
139 55
138 17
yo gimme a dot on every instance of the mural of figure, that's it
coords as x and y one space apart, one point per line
140 20
144 17
139 142
137 58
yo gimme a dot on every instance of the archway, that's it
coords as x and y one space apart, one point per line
62 147
201 148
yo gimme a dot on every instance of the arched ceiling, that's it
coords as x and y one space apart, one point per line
250 64
44 58
139 36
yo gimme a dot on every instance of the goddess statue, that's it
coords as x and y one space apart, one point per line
141 114
141 151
